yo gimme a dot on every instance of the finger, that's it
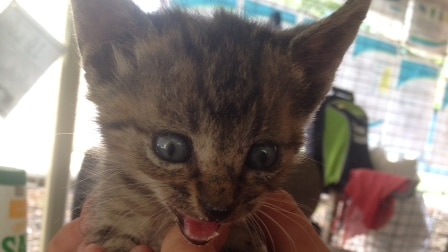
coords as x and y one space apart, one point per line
68 238
175 241
287 227
89 248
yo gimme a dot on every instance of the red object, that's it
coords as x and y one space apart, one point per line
370 200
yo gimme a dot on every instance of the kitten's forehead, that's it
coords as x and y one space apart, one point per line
176 70
211 77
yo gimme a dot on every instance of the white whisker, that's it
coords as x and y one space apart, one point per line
292 244
271 239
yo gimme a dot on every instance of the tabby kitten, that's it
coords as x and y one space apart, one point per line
200 117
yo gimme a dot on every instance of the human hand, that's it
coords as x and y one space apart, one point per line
283 224
70 239
286 227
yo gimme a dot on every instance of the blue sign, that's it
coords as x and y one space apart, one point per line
205 3
411 70
365 44
254 9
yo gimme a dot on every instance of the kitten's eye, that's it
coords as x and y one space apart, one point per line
173 148
262 157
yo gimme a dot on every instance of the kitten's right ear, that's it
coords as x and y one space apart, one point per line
98 22
318 49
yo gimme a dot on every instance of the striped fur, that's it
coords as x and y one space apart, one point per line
223 82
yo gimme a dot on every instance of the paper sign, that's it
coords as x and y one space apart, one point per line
26 50
395 9
429 26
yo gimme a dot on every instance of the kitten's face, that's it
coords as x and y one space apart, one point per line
209 123
206 114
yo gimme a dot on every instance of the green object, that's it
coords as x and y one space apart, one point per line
10 244
12 176
342 122
336 145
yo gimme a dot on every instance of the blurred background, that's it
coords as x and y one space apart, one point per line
395 72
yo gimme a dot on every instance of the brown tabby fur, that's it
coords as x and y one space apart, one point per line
223 82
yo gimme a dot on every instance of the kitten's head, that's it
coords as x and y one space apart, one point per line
206 113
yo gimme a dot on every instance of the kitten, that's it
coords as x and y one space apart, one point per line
200 117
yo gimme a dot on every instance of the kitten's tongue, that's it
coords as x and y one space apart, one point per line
199 232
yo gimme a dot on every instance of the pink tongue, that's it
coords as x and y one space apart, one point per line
200 230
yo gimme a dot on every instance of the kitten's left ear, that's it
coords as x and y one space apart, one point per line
104 21
107 31
319 48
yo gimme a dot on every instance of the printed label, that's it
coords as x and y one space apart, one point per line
17 209
14 244
12 219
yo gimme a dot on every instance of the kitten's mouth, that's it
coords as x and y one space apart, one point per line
198 232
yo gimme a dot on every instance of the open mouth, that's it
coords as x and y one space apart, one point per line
198 232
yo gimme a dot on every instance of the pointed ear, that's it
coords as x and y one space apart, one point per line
106 31
319 48
101 21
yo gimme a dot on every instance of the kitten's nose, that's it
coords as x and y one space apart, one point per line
216 214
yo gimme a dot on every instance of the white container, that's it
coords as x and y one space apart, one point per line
12 210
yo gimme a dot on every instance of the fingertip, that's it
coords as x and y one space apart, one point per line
174 240
68 237
90 248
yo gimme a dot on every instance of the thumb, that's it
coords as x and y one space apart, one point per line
175 241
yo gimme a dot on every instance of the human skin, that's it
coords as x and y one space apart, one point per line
284 225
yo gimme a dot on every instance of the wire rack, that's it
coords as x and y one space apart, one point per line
414 227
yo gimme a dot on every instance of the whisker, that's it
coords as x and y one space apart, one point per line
258 227
115 198
94 173
300 225
284 211
127 212
124 214
296 204
159 213
271 239
292 244
252 223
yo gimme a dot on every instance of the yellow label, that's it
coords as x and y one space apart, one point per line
17 209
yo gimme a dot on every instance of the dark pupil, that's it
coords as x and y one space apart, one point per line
173 148
262 157
170 148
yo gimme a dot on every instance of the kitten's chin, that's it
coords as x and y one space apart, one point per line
197 231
